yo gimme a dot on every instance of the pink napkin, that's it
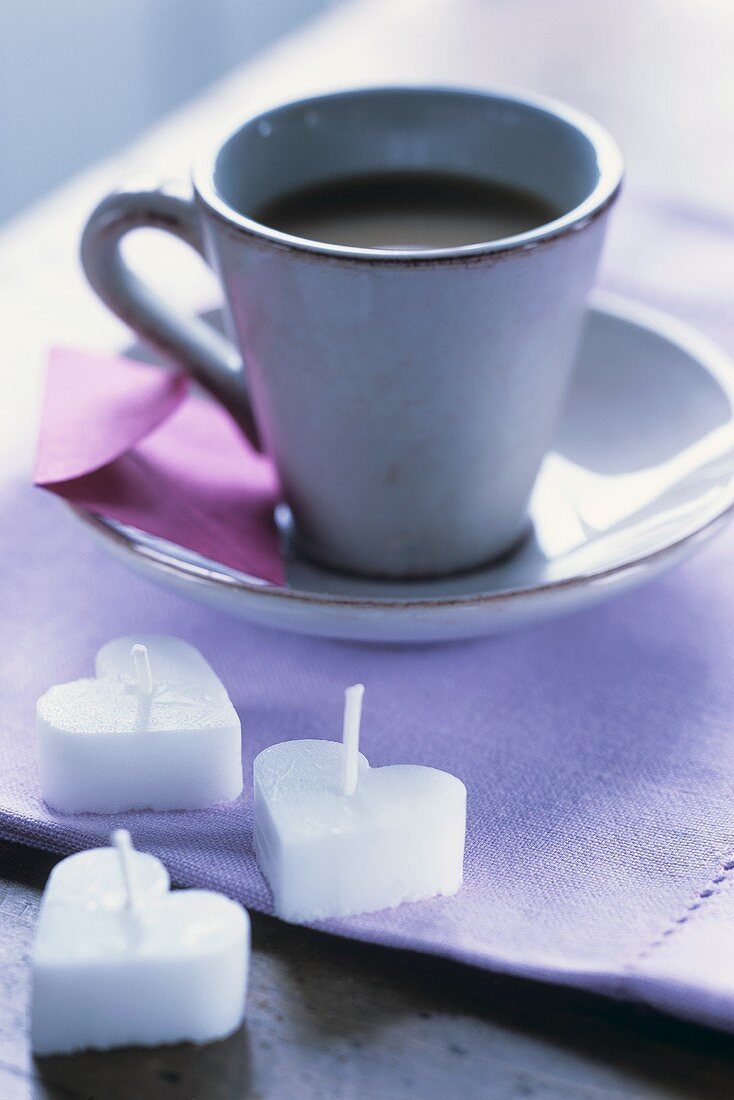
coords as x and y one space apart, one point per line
129 441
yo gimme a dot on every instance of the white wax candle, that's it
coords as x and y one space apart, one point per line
154 730
121 961
334 836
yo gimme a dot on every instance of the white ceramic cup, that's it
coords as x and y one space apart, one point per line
406 397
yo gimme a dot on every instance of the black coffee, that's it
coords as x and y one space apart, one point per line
407 210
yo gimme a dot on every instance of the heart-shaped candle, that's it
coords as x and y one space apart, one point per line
154 730
334 836
119 960
94 878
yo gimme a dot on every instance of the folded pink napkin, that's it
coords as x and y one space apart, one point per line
129 441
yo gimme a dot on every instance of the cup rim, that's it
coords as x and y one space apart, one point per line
609 159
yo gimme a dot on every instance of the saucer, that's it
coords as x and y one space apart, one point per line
641 473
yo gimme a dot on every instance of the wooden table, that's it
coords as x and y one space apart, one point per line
330 1018
333 1019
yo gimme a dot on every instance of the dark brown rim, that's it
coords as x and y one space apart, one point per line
508 249
605 191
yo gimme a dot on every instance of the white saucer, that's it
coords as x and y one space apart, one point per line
642 472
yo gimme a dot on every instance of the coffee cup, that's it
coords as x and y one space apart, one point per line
406 389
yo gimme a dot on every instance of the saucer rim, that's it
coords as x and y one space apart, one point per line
713 358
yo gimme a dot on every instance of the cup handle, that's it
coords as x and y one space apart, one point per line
192 344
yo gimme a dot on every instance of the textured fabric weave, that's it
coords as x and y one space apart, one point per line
597 751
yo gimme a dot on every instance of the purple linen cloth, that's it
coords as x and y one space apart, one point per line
598 752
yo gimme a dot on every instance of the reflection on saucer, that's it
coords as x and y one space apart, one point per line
641 473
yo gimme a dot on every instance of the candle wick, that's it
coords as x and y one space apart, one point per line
123 844
143 684
143 674
350 737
